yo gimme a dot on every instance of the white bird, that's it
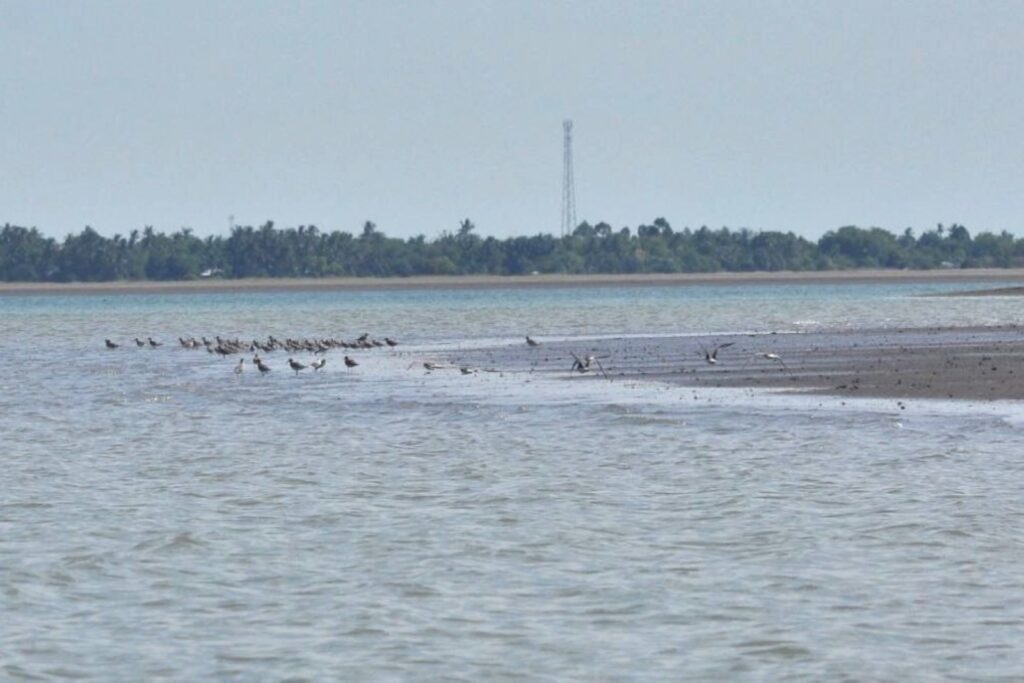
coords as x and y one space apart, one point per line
767 355
317 364
240 368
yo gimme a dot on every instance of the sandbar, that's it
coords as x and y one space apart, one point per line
512 281
969 363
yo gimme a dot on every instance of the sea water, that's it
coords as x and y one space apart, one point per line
163 517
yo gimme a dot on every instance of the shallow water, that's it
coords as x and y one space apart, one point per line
161 517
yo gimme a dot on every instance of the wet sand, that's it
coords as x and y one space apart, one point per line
999 291
486 281
946 363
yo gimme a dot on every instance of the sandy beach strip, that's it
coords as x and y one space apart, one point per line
998 291
489 281
983 363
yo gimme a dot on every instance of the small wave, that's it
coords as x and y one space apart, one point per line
180 541
775 648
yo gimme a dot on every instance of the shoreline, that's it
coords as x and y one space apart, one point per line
428 282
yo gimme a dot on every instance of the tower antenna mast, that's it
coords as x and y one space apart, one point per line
568 183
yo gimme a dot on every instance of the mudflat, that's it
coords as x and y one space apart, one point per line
979 363
512 281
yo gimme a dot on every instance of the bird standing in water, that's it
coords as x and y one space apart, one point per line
240 368
110 344
318 364
296 366
349 363
531 341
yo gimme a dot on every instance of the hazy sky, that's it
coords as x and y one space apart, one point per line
801 116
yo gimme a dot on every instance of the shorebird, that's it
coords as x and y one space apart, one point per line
152 343
261 366
296 366
318 364
767 355
139 342
349 363
712 357
582 365
240 368
467 370
390 342
531 342
110 344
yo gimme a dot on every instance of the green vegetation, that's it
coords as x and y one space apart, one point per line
26 255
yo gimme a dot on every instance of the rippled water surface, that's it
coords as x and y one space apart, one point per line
162 517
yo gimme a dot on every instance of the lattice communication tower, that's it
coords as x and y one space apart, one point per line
568 183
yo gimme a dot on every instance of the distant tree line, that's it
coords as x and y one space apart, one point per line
267 251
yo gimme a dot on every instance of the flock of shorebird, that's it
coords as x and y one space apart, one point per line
711 357
584 364
318 346
228 347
